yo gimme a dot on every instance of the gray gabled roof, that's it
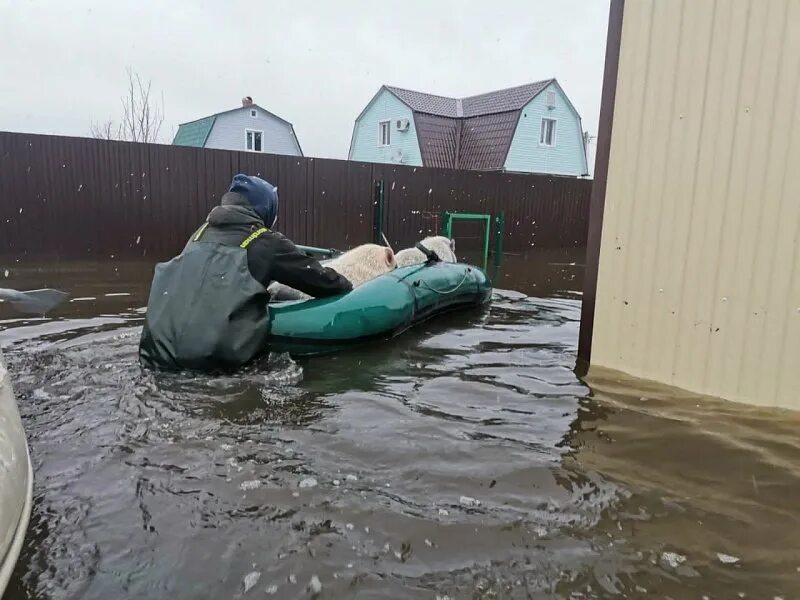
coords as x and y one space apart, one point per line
471 106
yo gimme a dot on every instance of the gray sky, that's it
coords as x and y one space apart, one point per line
315 64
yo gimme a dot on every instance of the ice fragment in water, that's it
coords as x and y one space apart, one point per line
673 559
349 526
272 590
292 578
443 512
250 580
469 502
308 482
351 478
727 559
336 482
6 273
315 585
428 543
250 485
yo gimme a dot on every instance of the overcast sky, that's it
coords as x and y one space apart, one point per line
314 63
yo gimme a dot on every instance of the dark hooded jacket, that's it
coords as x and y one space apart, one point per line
208 307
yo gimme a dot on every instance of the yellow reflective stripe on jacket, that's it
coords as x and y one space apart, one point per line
200 232
253 236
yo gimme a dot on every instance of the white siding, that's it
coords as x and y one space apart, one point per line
699 274
365 145
228 132
566 157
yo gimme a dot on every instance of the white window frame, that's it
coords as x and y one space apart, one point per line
254 113
388 125
555 132
253 131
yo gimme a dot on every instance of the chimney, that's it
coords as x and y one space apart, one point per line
247 101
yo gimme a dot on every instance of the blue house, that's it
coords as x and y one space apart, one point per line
248 127
532 128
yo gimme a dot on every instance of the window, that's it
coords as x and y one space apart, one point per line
384 133
548 134
253 140
253 113
551 99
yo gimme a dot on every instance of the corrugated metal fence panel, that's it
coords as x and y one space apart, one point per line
86 198
699 274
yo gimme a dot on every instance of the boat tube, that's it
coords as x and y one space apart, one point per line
379 309
16 480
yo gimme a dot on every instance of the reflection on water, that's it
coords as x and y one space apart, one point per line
462 459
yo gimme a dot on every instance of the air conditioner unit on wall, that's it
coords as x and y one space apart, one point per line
402 124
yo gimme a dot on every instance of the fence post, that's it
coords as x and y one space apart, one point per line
447 225
499 231
377 214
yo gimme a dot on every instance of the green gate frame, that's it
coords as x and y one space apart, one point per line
499 231
447 228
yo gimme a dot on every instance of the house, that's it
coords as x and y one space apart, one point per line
248 127
531 128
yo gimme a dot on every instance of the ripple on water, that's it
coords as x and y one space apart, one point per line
464 459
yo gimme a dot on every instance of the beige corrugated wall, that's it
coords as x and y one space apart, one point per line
699 274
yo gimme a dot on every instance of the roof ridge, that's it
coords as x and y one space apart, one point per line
508 89
394 87
462 98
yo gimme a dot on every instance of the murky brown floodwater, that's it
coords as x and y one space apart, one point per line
462 460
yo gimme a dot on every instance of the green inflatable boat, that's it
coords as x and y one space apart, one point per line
381 308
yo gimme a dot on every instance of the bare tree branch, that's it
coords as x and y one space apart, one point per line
105 131
142 117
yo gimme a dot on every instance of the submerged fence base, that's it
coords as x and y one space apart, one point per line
87 198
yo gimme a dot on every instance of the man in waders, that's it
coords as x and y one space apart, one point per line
208 306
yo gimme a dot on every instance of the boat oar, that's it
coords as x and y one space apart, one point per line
36 302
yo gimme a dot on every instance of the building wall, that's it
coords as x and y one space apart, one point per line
386 106
567 157
228 132
699 271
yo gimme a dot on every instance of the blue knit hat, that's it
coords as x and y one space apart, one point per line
262 196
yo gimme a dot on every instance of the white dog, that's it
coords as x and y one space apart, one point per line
444 248
359 265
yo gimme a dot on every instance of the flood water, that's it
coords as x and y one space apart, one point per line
464 459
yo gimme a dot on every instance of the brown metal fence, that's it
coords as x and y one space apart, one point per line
86 198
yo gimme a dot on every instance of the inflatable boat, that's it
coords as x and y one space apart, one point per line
16 480
381 308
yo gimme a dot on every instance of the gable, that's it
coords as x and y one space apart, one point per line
230 132
567 156
403 146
